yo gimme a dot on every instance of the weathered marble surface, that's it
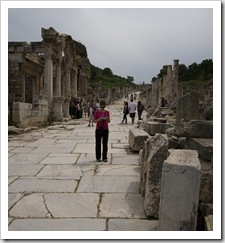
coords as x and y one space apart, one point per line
55 183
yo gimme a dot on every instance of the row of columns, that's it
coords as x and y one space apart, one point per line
58 99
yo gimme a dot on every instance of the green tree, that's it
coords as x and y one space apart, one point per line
206 69
130 79
107 71
163 71
193 71
182 72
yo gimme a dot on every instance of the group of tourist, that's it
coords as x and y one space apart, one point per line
131 108
76 108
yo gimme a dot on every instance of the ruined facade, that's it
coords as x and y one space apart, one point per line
43 76
167 86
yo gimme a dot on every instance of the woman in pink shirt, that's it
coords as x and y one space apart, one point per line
101 118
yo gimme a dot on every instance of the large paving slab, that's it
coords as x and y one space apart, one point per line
29 185
118 170
121 205
24 170
80 224
109 184
26 158
60 159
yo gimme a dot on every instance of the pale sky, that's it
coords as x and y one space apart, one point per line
133 42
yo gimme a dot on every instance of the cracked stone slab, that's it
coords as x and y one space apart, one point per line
60 159
26 158
42 185
118 170
30 206
13 198
24 170
79 224
52 149
109 184
86 158
121 205
132 225
64 171
87 148
72 204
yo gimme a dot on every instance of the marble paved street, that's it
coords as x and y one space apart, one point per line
55 183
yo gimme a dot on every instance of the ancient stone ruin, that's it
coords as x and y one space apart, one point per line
177 159
44 75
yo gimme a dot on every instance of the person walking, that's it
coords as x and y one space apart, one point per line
101 118
125 112
140 108
132 110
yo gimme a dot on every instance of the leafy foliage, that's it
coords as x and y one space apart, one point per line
197 72
200 72
108 79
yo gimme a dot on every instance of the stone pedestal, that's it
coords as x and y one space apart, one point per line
66 107
180 191
57 109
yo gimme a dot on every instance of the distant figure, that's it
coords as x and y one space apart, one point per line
125 112
140 108
131 97
163 101
97 105
85 109
132 110
91 111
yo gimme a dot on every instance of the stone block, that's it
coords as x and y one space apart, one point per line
196 129
156 152
153 127
187 108
201 129
21 106
204 146
166 111
40 102
136 138
181 175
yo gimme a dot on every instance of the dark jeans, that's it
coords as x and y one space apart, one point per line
124 118
139 115
101 138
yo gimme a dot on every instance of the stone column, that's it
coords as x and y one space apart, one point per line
168 85
66 106
74 83
175 82
68 92
157 92
48 88
181 176
58 79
